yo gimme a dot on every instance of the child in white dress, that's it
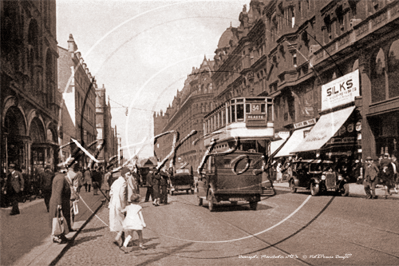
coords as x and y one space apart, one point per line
134 220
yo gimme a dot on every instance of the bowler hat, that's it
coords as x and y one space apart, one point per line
386 154
11 165
369 158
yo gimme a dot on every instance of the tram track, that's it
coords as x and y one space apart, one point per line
274 245
269 245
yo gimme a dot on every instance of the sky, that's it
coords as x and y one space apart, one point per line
142 51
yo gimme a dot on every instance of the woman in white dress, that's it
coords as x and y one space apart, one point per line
117 203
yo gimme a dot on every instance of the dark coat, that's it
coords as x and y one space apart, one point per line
156 179
46 181
149 179
16 181
60 195
371 172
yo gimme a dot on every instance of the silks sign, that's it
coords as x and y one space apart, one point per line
340 91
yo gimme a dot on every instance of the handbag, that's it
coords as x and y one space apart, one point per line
60 226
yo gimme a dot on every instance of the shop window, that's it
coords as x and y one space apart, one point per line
378 77
393 69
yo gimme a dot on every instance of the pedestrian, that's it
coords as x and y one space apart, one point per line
105 184
46 183
87 176
134 221
150 192
395 167
96 178
386 173
156 179
163 184
279 172
132 184
370 178
14 187
117 203
60 200
74 177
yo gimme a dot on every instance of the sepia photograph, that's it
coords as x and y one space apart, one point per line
199 132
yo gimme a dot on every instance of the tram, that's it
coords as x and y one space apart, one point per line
237 138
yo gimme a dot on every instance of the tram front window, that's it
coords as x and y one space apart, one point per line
240 112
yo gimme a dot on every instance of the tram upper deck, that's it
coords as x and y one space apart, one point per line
249 118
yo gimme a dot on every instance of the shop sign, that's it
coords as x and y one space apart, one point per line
305 123
340 91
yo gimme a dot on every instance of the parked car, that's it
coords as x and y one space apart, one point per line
318 176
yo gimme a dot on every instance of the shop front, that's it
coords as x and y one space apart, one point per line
337 134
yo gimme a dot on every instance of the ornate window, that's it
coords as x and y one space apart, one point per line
393 69
378 68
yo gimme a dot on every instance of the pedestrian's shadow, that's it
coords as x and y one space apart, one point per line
92 229
85 239
135 243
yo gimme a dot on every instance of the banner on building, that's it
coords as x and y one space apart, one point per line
340 91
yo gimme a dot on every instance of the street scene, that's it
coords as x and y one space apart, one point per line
240 132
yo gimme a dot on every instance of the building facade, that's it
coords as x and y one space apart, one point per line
186 114
105 131
317 60
78 88
30 101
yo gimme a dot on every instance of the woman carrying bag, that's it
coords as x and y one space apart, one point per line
60 205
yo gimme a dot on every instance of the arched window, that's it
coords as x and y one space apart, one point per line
355 65
49 87
378 68
393 69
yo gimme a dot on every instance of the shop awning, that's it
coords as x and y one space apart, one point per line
296 137
274 145
324 129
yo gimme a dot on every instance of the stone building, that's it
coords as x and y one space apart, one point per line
329 67
78 88
105 130
186 114
30 102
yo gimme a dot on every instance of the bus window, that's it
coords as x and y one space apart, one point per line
249 146
263 108
261 144
247 108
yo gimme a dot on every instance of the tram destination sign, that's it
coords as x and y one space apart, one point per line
340 91
256 120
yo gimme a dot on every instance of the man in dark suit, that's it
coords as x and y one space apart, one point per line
370 178
149 186
46 183
15 187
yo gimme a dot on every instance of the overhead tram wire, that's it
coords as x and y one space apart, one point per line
127 108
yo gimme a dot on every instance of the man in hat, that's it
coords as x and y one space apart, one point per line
117 203
46 183
370 178
386 173
15 187
149 192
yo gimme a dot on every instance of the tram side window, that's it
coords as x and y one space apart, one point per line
240 112
233 113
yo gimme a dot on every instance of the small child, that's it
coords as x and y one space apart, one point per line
134 221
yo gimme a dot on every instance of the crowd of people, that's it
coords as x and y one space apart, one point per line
383 172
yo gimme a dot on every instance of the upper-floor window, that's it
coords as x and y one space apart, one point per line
327 29
393 69
378 68
292 14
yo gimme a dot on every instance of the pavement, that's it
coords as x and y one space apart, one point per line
26 238
355 190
